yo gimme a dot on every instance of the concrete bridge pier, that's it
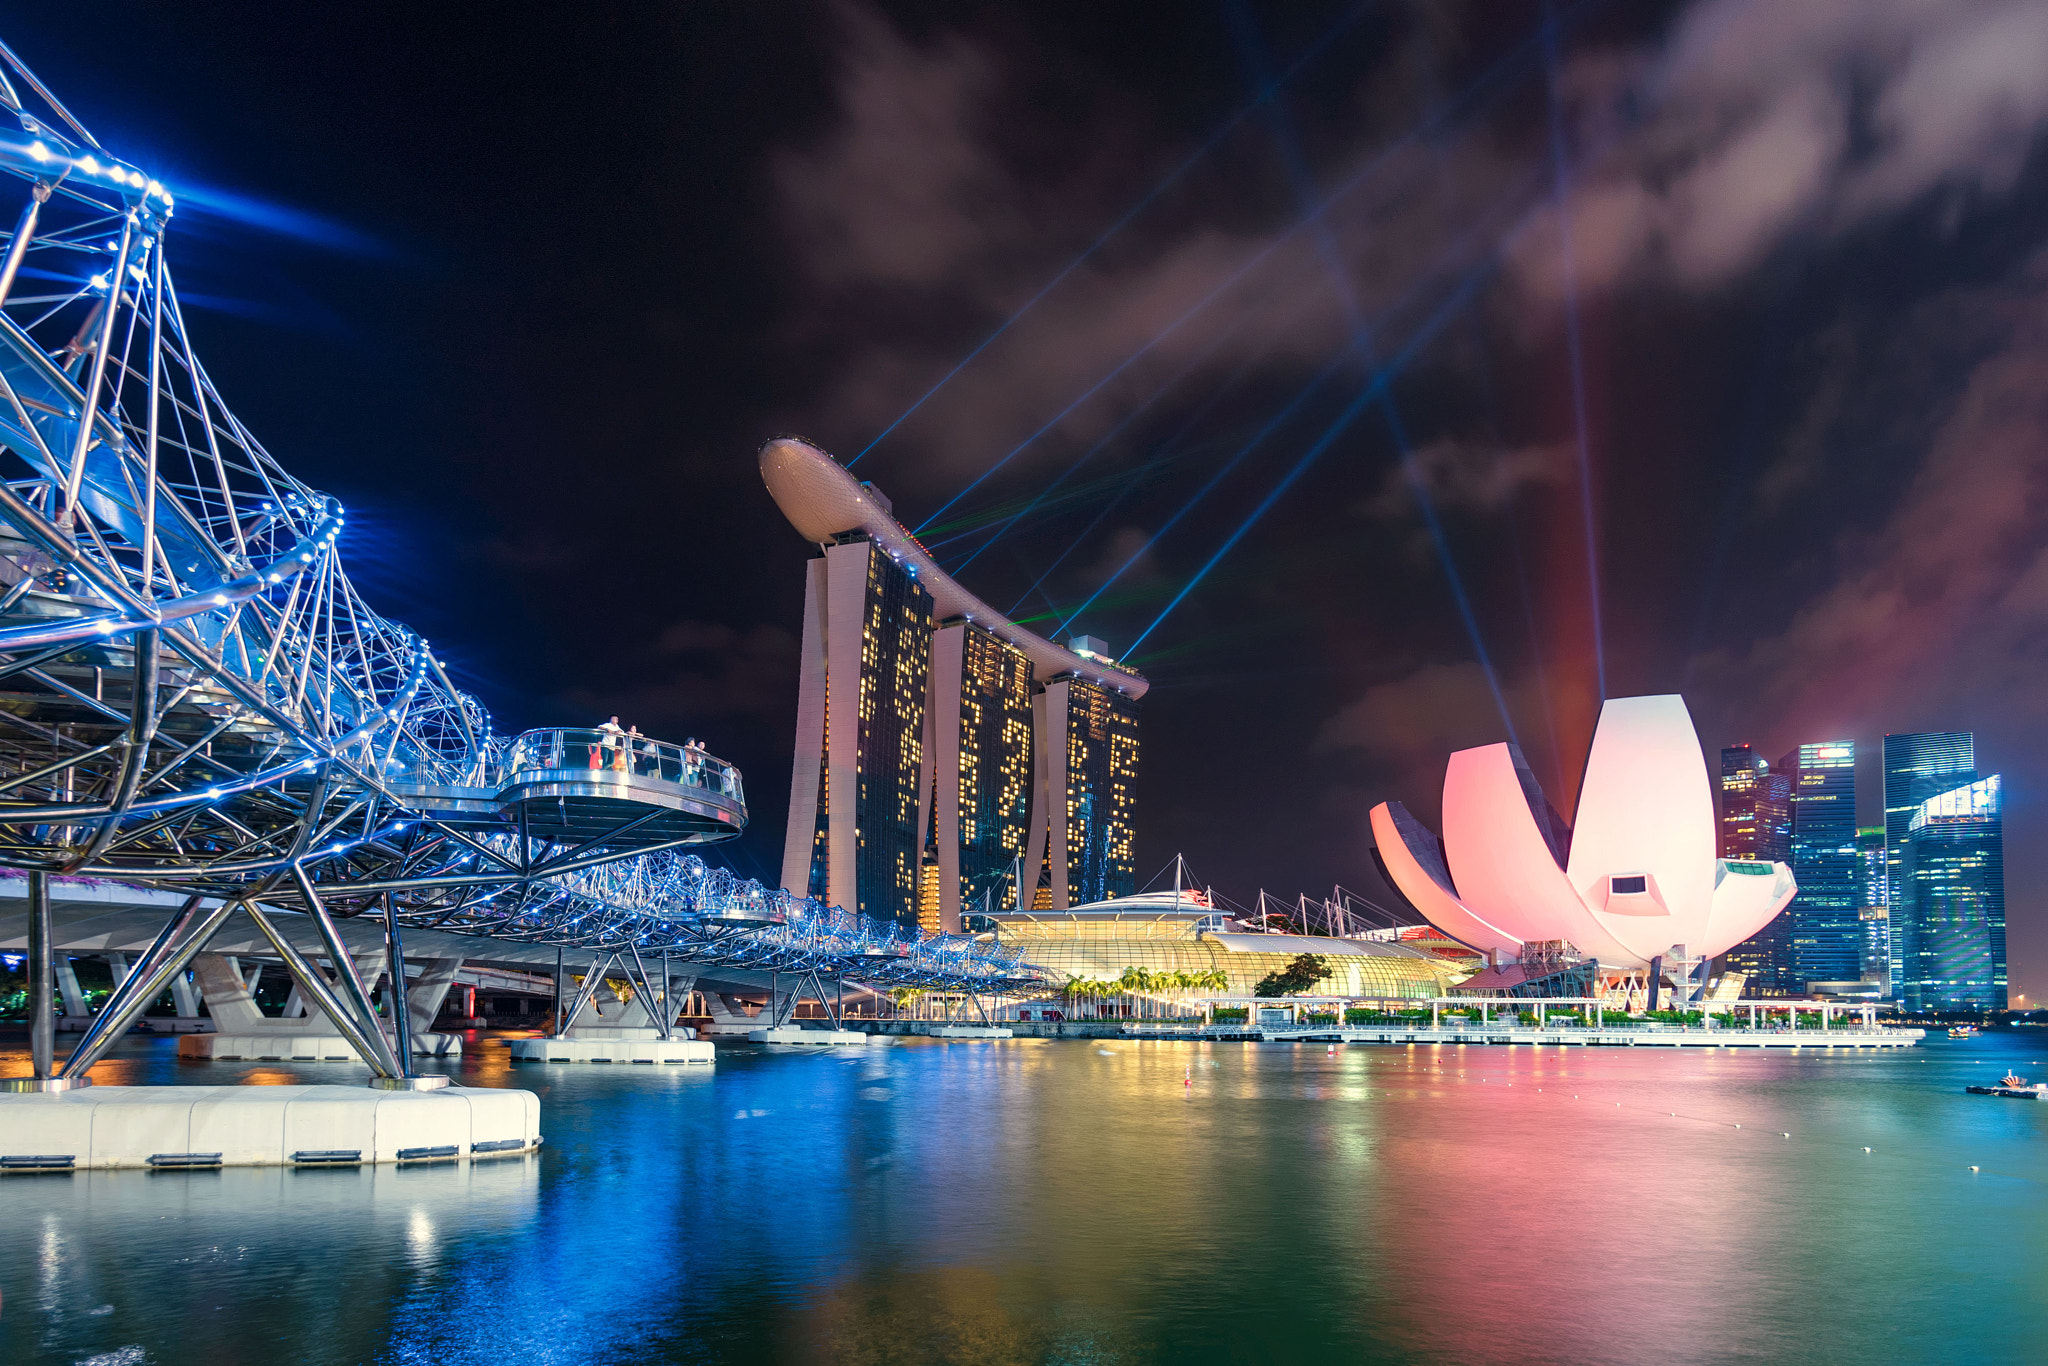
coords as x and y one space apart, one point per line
77 1014
599 1026
241 1029
424 998
60 1121
729 1018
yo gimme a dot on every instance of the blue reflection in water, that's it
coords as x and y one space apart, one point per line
1100 1201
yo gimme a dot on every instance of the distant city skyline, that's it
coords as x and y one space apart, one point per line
1929 929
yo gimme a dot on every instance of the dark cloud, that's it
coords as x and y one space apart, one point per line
1757 120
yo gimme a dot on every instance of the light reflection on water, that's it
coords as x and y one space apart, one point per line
1040 1201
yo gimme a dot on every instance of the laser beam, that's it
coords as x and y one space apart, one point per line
1561 181
1172 177
1501 67
1336 428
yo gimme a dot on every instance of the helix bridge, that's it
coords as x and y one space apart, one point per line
194 697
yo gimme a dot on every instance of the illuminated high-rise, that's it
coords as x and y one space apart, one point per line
1952 877
1826 931
945 755
978 815
855 792
1917 765
1875 913
1756 823
1083 828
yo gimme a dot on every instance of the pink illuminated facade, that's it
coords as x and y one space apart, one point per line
1635 880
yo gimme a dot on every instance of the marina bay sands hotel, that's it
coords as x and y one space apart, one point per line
947 759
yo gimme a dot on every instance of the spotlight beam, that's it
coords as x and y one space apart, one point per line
1257 439
1130 485
1567 265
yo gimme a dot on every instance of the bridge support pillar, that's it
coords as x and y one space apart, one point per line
242 1030
425 996
76 1011
729 1016
184 997
228 1000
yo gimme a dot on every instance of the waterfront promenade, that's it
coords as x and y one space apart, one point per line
1570 1036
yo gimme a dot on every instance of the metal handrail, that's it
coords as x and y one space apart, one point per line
590 749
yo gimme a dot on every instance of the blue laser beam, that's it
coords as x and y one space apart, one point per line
1246 29
1202 411
1419 486
1257 439
1336 428
1171 178
1446 109
1463 243
1266 93
1201 358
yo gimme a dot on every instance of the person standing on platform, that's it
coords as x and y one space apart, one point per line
608 737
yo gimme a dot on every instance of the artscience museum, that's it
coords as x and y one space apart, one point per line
1631 887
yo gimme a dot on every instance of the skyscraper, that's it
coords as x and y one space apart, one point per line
1826 932
1741 767
1952 874
1756 823
855 798
1082 832
1874 913
979 810
1870 861
934 759
1917 765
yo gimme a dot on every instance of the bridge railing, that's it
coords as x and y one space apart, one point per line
595 750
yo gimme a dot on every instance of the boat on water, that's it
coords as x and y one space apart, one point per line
1962 1031
2012 1087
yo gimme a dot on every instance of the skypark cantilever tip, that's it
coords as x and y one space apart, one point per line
822 500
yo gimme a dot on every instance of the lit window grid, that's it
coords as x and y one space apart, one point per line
1951 940
895 668
1102 764
995 761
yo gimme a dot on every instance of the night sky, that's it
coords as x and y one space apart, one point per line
527 286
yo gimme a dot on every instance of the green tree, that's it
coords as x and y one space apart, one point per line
1301 975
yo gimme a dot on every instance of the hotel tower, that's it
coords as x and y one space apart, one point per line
945 756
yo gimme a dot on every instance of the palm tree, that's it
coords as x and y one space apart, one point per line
1132 982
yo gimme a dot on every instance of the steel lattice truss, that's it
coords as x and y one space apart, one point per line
194 696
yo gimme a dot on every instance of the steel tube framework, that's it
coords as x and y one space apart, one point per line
193 696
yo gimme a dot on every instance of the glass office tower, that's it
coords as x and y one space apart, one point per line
1756 823
1952 874
1917 765
1825 930
1875 913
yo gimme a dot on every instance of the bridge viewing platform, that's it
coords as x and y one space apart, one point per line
594 788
